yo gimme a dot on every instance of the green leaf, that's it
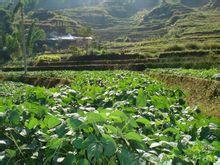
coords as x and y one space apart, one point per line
78 143
160 102
70 159
14 117
216 144
10 153
32 123
83 162
2 109
51 121
144 121
141 100
118 116
171 130
61 130
89 140
133 123
111 129
94 118
133 136
36 109
94 152
74 123
126 157
109 145
55 143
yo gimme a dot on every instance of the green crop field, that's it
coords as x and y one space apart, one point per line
202 73
107 117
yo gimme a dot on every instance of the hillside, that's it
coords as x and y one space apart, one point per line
194 3
214 4
112 21
138 20
52 22
195 27
166 11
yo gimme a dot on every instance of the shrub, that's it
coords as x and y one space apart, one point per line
76 51
174 48
47 59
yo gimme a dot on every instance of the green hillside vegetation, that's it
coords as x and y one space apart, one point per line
214 4
169 18
147 29
166 11
198 26
194 3
94 17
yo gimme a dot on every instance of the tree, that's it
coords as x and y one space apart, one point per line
85 32
76 51
8 39
19 9
12 32
34 34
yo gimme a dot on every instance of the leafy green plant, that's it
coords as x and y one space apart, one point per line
105 118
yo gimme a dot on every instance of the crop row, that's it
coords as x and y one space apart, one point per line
103 118
200 73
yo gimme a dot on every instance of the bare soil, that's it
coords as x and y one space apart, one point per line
38 81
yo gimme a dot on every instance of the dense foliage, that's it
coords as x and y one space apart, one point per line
11 36
103 118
